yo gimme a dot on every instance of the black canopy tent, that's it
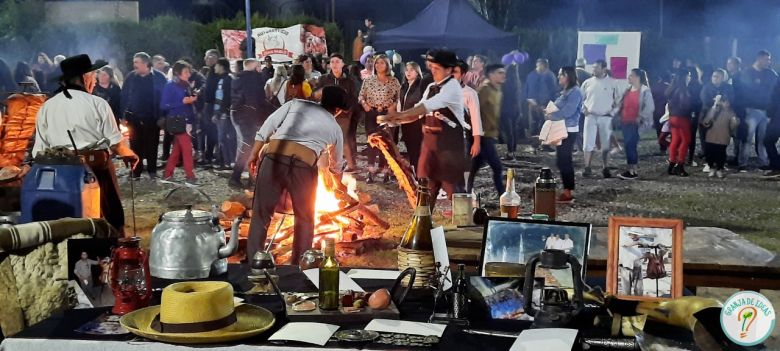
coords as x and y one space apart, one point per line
452 24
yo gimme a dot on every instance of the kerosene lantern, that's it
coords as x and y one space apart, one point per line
557 308
131 280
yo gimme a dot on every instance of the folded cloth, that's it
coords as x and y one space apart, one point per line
33 234
553 132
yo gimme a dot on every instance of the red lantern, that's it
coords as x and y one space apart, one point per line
131 281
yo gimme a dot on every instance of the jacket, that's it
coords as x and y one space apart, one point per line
131 83
410 96
722 122
112 94
679 102
569 104
248 95
225 102
646 105
708 93
344 82
541 87
171 101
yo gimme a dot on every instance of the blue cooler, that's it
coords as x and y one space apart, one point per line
54 191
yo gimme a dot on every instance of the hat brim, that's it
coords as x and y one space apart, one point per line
251 320
95 66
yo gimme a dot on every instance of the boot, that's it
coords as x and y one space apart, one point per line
680 170
671 169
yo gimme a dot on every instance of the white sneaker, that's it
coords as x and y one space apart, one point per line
720 174
706 169
712 173
694 164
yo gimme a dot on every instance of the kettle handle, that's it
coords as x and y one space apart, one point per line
528 285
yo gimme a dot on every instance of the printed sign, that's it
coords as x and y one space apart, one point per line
282 44
619 49
747 318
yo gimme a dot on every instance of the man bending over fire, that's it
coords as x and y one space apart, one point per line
284 157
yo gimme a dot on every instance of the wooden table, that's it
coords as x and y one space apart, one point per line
713 257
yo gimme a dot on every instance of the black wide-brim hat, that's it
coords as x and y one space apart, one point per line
442 57
78 65
333 96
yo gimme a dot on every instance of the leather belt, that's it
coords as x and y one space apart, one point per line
292 149
432 130
380 109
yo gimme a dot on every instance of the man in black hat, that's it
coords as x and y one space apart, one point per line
292 140
89 119
443 158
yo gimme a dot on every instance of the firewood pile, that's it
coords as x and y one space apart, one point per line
355 222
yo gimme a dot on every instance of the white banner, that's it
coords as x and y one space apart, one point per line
282 44
619 49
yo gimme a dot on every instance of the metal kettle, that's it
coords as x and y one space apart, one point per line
190 244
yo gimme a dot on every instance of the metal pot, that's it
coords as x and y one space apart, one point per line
189 244
311 259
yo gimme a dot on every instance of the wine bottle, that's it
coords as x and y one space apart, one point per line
416 247
509 202
329 277
460 293
418 234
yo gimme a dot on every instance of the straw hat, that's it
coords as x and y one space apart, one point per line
198 313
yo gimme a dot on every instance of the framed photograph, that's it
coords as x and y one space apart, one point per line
88 264
509 243
645 258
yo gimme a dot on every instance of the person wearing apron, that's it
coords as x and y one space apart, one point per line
292 139
443 158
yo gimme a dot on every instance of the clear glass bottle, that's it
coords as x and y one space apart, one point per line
329 277
509 202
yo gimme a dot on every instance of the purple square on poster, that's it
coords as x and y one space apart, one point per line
594 52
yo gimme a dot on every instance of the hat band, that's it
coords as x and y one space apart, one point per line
196 327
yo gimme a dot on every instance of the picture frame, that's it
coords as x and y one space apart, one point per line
508 243
644 260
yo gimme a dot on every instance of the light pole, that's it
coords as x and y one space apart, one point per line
250 52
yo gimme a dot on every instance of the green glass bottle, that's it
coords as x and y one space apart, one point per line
329 277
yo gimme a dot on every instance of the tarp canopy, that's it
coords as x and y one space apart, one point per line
453 24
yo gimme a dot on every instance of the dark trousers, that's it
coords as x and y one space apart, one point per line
510 132
715 155
357 116
246 129
276 174
770 142
695 127
226 134
207 139
166 145
412 136
350 143
371 127
144 140
110 203
489 155
564 160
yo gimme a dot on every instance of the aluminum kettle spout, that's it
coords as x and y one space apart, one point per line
230 248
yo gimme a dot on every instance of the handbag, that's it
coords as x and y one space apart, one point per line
274 99
176 124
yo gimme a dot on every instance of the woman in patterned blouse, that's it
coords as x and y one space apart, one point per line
379 93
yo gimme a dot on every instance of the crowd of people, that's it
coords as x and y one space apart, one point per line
210 116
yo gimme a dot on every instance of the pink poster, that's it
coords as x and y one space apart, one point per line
619 67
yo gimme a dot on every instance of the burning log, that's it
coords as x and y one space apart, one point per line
400 167
331 216
232 209
372 217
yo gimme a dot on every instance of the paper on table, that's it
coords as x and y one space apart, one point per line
404 327
345 282
551 108
373 274
545 339
312 333
440 253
